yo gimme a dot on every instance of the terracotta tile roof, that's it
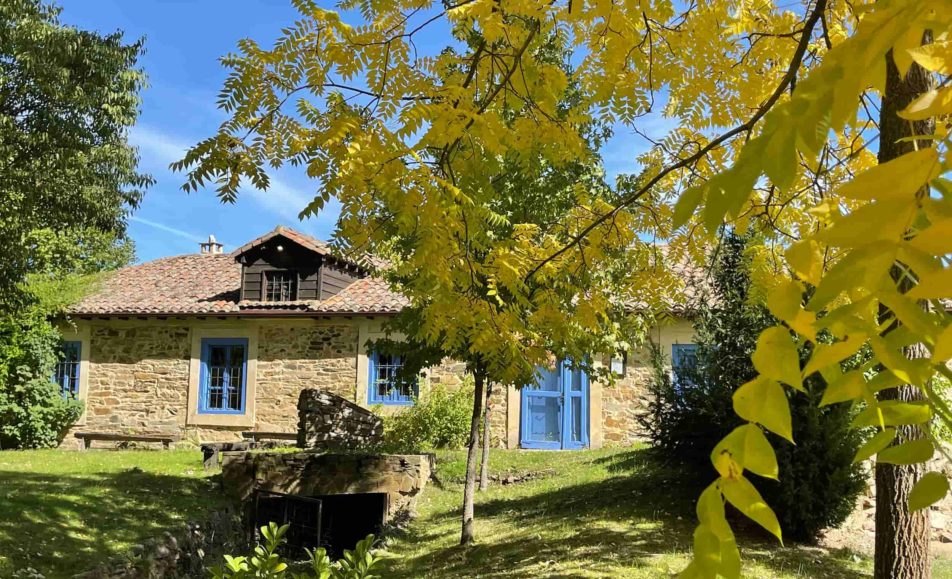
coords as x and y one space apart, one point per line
184 284
368 295
198 284
211 284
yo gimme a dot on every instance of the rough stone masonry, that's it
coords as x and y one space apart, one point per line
328 421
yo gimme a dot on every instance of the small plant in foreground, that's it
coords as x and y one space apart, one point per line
266 562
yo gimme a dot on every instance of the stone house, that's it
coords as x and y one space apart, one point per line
208 346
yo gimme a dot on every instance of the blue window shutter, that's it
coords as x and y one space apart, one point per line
372 376
683 356
388 366
66 372
225 347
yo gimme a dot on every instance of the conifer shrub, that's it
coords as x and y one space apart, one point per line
692 409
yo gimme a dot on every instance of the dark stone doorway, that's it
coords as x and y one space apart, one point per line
347 519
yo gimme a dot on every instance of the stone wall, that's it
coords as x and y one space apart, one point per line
402 477
295 357
858 532
449 373
138 380
626 401
498 408
138 375
186 554
329 421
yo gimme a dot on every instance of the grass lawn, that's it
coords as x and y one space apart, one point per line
600 513
65 512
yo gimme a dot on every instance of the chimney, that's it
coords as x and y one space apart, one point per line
211 246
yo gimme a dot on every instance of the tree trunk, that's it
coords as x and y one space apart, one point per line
484 466
469 489
902 536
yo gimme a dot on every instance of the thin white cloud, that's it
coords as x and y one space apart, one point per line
158 145
168 229
281 199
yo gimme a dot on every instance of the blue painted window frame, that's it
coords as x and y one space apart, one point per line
66 374
565 395
394 397
680 354
203 397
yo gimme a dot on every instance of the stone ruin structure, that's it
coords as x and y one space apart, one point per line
327 421
313 474
336 439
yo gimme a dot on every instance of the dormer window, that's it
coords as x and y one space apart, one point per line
280 285
285 267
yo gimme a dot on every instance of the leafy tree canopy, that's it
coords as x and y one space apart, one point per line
68 180
67 98
775 106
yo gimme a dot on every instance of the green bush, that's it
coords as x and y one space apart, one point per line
818 483
33 413
267 563
439 419
940 429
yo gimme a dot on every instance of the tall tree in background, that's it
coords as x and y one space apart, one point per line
68 181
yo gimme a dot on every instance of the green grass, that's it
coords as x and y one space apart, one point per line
65 512
600 513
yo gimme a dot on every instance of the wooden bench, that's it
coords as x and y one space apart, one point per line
89 437
258 435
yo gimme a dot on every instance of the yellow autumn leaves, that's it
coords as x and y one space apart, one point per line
878 248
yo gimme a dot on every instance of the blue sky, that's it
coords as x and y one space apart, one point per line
184 40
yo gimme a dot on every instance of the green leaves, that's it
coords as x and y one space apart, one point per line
747 447
763 401
898 179
776 357
740 493
943 345
930 489
844 388
267 563
825 355
894 413
912 452
879 441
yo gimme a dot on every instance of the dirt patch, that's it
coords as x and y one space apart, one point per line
511 478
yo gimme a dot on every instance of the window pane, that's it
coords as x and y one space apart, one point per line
280 286
547 380
576 419
236 355
216 386
576 380
386 385
66 371
235 388
683 360
224 380
216 356
544 419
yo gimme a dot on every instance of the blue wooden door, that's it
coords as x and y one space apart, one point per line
555 410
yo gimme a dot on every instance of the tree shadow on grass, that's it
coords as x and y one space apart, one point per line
642 517
61 525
